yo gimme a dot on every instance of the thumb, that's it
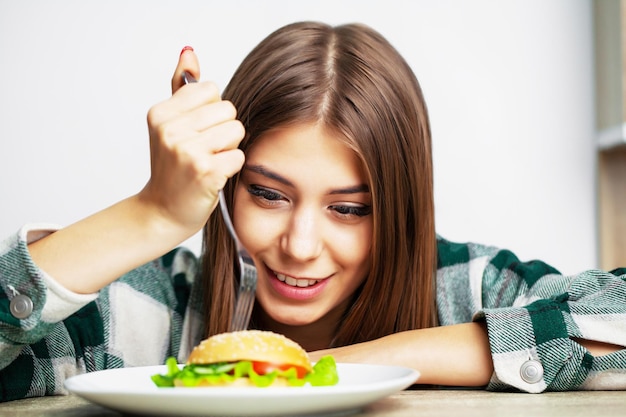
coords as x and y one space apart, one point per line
188 61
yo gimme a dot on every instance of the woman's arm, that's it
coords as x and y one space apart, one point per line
86 256
598 348
193 146
456 355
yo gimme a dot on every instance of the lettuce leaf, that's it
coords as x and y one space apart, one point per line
324 373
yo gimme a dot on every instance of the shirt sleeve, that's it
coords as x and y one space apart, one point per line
48 333
30 300
534 315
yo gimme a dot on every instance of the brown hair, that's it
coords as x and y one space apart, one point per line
352 81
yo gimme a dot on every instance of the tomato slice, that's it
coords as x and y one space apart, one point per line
263 368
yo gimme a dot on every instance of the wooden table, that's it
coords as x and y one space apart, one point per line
431 403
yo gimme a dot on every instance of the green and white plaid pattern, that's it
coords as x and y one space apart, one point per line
532 312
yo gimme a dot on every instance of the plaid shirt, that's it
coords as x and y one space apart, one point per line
532 313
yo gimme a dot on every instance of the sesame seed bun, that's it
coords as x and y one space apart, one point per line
251 345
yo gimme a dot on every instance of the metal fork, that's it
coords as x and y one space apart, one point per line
247 278
247 269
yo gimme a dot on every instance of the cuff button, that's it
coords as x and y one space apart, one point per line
531 371
21 306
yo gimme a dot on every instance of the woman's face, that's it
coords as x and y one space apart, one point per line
303 210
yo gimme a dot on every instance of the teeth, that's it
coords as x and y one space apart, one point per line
296 282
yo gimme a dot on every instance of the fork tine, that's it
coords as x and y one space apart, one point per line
234 325
246 297
247 310
244 305
245 302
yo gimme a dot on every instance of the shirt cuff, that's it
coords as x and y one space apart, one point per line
531 348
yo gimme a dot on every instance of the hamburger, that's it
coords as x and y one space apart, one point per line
249 358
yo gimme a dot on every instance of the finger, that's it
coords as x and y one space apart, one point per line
203 118
184 100
211 167
232 161
221 167
188 61
221 138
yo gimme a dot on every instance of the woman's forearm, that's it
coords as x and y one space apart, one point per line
598 348
456 355
86 256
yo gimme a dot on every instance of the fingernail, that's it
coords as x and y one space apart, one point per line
186 48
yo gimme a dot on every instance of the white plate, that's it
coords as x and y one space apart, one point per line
131 390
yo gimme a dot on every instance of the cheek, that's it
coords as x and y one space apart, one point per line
253 225
352 246
260 232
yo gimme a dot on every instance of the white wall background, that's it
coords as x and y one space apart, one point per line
509 85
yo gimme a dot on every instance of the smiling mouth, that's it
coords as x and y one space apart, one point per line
293 282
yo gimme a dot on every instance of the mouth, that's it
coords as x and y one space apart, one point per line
292 288
296 282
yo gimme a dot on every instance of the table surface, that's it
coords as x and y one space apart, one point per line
431 403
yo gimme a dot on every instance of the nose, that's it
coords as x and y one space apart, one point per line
302 240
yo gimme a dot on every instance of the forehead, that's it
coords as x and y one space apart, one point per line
307 150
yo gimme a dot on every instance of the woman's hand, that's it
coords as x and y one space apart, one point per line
193 148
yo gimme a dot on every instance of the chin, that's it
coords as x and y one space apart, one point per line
293 319
290 315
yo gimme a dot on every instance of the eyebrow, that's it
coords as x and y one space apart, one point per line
261 170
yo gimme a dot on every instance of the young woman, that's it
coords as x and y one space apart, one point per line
322 145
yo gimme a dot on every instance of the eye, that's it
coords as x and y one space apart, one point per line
349 211
264 195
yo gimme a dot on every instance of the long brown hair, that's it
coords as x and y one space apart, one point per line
352 81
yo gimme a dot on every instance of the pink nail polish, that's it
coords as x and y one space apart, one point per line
186 48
